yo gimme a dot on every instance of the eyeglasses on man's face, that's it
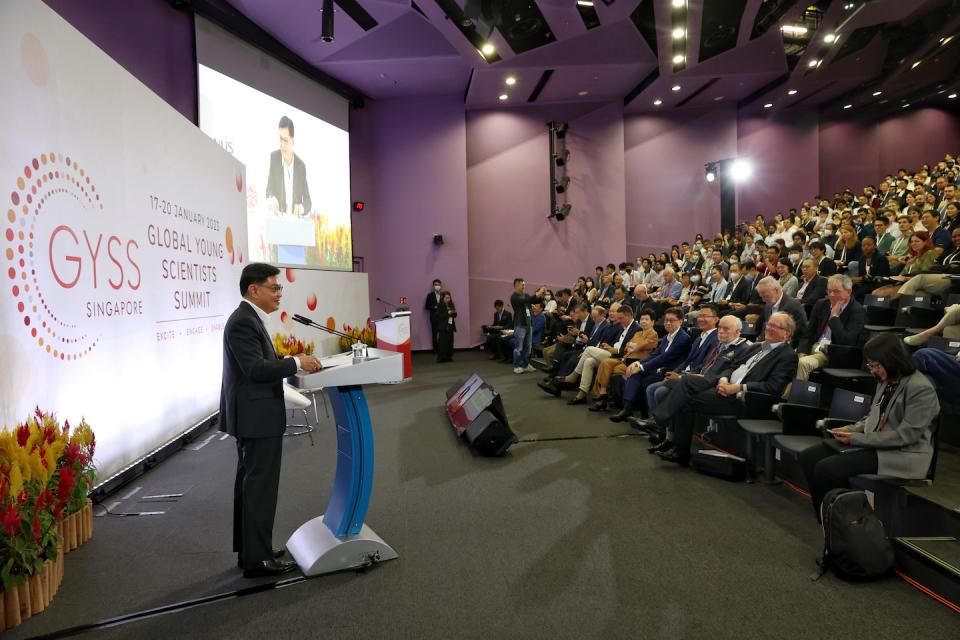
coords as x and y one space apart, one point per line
275 288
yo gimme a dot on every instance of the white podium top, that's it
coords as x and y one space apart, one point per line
290 231
382 367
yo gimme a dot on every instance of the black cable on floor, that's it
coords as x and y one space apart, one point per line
596 437
170 608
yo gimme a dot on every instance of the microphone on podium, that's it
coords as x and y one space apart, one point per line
310 323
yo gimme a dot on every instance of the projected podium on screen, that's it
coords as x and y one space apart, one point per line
298 173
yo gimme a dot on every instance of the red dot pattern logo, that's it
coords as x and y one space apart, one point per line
44 178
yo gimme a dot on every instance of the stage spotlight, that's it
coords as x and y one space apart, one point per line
488 49
561 158
560 128
740 170
326 21
711 171
561 213
561 184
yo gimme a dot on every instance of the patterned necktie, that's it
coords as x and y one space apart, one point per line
713 358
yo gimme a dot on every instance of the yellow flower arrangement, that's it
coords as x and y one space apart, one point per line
366 334
291 346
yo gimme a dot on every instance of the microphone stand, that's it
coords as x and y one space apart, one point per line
358 347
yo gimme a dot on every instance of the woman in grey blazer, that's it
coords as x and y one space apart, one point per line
895 439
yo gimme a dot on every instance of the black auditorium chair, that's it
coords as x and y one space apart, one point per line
802 426
846 370
803 394
754 406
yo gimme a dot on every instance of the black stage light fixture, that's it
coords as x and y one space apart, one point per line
710 171
560 213
326 21
437 239
560 128
561 184
561 158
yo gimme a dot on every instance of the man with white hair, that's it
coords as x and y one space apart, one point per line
837 319
769 369
771 292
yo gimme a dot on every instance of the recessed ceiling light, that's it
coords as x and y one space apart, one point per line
585 3
503 97
813 63
792 92
905 106
581 93
876 93
916 64
790 28
679 3
830 38
511 81
488 49
944 41
718 99
848 106
768 105
678 59
657 102
952 96
675 87
679 34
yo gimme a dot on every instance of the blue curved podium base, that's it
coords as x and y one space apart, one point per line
339 539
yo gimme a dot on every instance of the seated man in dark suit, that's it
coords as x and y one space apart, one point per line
502 319
581 322
730 351
813 287
592 357
567 362
768 370
774 300
837 319
672 350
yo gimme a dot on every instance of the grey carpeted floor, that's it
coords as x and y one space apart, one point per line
587 538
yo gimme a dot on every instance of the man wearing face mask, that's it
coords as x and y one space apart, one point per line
433 301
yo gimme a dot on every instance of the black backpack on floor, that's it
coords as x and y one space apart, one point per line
855 544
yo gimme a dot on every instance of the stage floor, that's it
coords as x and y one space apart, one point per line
578 533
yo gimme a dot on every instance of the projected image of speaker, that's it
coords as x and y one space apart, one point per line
476 414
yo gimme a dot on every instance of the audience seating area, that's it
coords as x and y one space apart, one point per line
912 296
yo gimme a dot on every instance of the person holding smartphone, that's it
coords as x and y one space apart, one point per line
894 439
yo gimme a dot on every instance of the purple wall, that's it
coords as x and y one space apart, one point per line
407 165
508 186
668 199
149 38
854 154
481 179
785 159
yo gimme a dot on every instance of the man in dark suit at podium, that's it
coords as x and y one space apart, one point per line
252 410
287 189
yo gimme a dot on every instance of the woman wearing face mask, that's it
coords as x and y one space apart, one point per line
446 326
549 304
895 437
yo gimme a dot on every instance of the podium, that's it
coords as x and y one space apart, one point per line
339 539
393 334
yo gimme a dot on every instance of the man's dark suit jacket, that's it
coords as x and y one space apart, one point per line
879 265
251 395
827 267
846 330
668 359
597 334
432 303
796 311
275 185
698 353
816 290
740 292
504 319
773 372
632 328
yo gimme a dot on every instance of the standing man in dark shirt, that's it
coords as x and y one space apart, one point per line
433 301
522 331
